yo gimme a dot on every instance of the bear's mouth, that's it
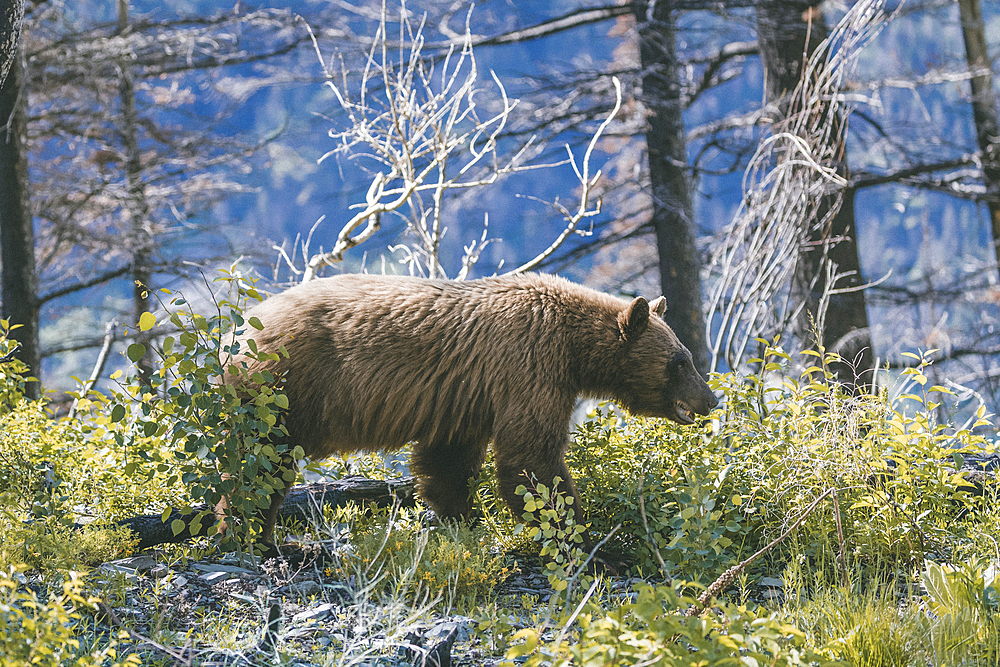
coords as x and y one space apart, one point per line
683 414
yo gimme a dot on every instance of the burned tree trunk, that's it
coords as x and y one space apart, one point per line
666 149
19 281
984 108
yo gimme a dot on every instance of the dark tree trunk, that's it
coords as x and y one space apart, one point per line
673 217
19 283
789 32
137 207
984 108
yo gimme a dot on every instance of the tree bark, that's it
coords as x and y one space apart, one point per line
137 206
11 17
789 32
984 108
18 282
666 148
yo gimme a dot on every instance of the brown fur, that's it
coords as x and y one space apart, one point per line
376 362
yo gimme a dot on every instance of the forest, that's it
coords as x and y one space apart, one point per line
814 189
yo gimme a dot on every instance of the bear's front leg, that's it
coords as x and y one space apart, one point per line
526 451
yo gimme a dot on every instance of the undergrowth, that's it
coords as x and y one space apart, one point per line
895 565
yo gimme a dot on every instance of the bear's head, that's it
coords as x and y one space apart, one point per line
658 377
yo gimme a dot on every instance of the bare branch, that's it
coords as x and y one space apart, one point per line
586 183
792 172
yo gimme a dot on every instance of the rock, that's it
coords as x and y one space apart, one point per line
308 588
771 582
131 566
317 613
215 577
141 563
439 655
219 567
463 627
159 571
177 583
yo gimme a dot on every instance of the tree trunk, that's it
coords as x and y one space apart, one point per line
19 283
673 217
11 17
789 32
138 209
984 108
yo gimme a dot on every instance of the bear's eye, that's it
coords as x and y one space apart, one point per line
678 360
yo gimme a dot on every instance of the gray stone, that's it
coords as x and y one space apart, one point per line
141 563
159 571
771 582
317 613
308 587
215 577
219 567
463 625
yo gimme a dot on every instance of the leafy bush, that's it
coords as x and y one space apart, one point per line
13 372
550 521
216 440
51 474
654 630
696 500
668 488
41 632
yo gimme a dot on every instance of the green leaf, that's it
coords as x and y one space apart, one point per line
255 323
177 526
117 413
136 351
146 321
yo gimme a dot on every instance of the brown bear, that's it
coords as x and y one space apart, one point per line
376 362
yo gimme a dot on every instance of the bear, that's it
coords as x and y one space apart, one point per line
376 362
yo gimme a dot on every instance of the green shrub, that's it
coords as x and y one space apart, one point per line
52 474
216 441
653 630
715 493
44 632
13 371
667 486
550 521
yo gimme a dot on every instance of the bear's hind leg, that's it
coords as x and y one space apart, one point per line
443 473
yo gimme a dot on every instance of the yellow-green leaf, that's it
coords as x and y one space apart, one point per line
146 321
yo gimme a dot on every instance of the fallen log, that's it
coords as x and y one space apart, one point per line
302 503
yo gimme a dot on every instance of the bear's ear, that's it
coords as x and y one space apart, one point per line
659 306
633 320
